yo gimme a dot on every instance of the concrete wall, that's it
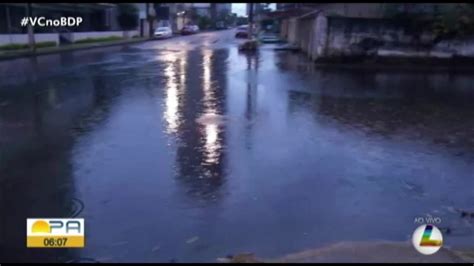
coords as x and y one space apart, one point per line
284 29
463 47
354 10
23 38
304 40
76 36
292 30
325 37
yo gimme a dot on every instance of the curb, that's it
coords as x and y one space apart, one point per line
91 46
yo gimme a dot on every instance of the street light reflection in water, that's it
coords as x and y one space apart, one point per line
212 143
172 100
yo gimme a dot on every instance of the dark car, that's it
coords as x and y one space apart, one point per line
190 29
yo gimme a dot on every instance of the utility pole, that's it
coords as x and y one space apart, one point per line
150 15
9 25
213 10
31 35
250 30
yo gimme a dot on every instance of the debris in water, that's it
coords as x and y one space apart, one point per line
156 248
192 239
465 214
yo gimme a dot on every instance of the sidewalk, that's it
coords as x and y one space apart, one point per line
6 55
363 252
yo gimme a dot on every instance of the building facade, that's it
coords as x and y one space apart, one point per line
341 9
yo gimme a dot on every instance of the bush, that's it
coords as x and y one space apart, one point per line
101 39
17 46
204 22
445 21
455 22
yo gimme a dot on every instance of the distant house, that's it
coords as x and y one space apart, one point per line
367 10
204 9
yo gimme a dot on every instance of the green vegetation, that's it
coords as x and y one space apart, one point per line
128 16
457 21
242 20
204 22
102 39
17 46
445 21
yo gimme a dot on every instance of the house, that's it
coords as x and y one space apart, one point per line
365 10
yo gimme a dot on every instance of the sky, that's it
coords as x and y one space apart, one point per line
241 8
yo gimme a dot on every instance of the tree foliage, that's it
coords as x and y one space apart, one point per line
127 16
204 22
445 21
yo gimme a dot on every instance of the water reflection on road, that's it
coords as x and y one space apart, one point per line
194 154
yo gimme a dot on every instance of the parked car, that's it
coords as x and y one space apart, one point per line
163 32
243 31
190 29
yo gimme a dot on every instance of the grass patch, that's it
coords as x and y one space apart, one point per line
17 46
101 39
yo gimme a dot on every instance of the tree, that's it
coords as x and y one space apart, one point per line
31 34
213 10
204 22
128 16
250 30
445 21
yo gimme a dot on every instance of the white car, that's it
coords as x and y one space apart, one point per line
163 32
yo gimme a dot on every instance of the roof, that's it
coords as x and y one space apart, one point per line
293 12
310 14
280 14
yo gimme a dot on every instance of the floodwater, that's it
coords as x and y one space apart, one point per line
187 150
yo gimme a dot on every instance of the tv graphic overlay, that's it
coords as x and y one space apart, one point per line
55 233
427 239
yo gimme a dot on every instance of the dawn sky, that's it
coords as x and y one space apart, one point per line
241 8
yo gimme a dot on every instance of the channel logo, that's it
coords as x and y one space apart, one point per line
427 239
55 233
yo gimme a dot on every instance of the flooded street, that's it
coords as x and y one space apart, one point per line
187 150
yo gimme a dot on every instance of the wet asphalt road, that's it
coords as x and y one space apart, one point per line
187 150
